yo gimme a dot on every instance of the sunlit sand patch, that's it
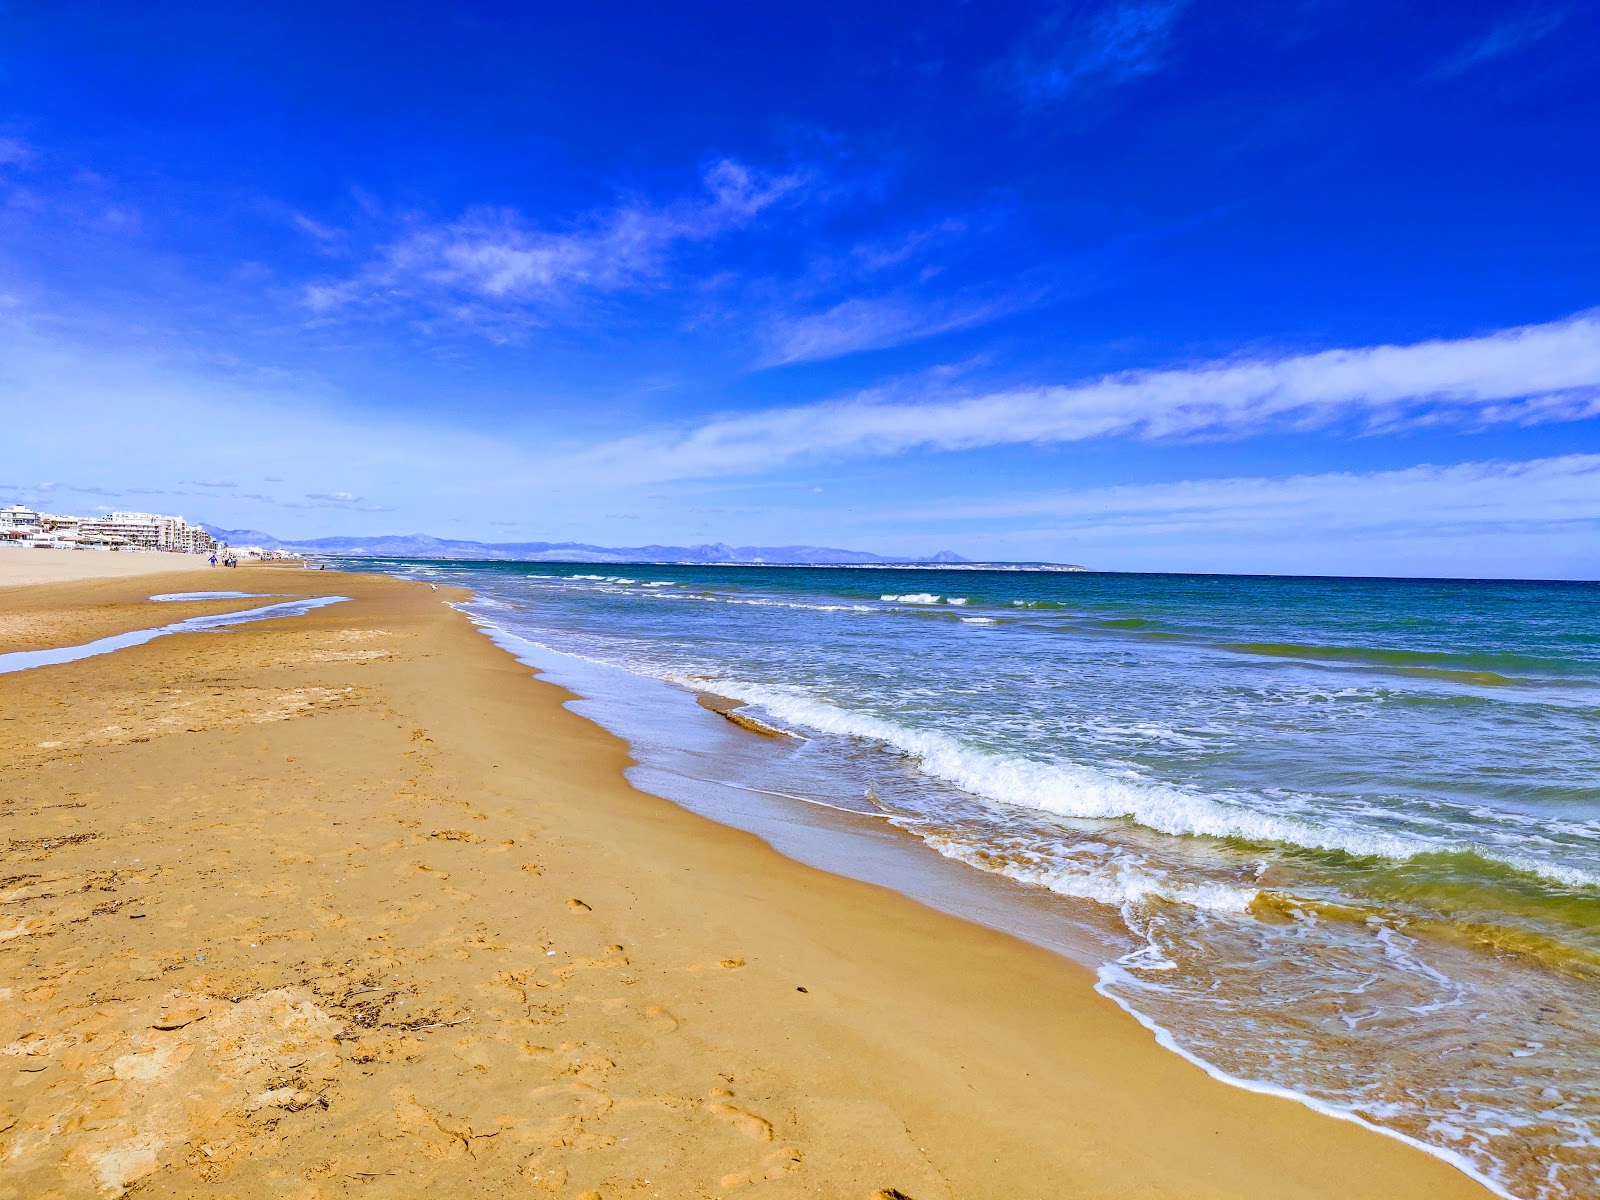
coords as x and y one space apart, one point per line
173 1077
139 718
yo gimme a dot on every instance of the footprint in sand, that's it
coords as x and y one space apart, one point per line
719 1104
660 1020
774 1166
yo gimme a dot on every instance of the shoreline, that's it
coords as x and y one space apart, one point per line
911 870
482 959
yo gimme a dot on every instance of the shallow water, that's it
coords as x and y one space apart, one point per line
172 597
27 660
1349 830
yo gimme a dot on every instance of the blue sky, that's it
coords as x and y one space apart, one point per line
1159 285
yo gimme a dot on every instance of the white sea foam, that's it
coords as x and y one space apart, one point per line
911 598
1120 972
1115 881
1071 790
1129 883
862 608
977 620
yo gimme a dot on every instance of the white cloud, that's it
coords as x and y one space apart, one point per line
1435 500
14 151
1528 375
492 257
1506 38
1493 517
1533 519
1121 42
227 419
872 324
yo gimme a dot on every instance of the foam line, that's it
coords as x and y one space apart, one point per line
1165 1040
1070 790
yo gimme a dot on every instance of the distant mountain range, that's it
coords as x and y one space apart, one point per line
422 546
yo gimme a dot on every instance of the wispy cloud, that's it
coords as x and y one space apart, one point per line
492 261
14 152
1434 500
879 254
873 323
334 497
316 230
1529 375
1505 38
1121 42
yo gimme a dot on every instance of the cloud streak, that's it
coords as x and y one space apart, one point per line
1120 43
1503 39
491 258
1527 375
874 323
1425 500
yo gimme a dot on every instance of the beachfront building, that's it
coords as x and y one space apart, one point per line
145 531
19 517
20 525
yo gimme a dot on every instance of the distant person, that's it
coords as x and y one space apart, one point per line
213 560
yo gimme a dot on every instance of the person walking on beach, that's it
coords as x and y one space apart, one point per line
213 560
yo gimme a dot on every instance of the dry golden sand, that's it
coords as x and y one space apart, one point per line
349 905
20 565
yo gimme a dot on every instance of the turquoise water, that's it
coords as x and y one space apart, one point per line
1349 830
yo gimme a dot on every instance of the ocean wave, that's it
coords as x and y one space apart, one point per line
1071 790
1074 791
1129 974
978 621
753 603
911 598
1116 882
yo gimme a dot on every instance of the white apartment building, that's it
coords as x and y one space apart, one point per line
131 530
19 516
145 531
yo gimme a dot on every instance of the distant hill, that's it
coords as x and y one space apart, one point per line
419 545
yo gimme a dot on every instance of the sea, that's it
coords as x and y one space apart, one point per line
1336 839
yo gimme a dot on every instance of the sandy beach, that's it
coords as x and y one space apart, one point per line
27 566
347 903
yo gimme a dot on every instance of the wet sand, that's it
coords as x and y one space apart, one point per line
348 904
